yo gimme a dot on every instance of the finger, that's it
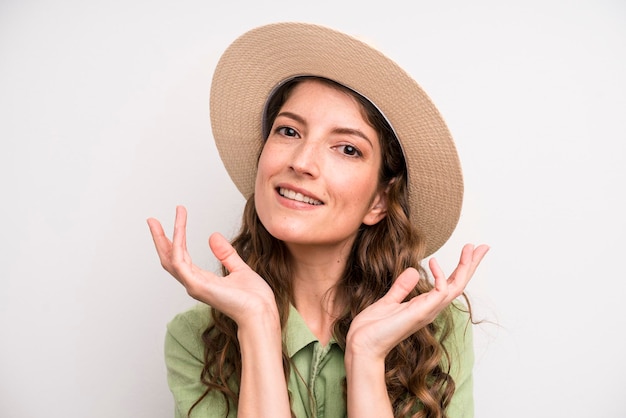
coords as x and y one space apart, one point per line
161 242
468 263
470 259
459 274
441 282
184 243
156 230
425 307
179 240
402 286
226 254
479 254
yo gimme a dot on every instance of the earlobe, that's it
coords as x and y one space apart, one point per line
378 210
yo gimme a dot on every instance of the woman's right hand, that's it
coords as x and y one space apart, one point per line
249 301
242 295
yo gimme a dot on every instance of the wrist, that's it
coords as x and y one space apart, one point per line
367 394
262 324
363 351
363 361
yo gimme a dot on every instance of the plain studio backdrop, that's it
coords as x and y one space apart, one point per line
104 123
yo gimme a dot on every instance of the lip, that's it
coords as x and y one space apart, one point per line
294 203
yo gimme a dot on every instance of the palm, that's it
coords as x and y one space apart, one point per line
239 295
382 325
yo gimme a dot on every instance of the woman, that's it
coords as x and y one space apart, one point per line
323 308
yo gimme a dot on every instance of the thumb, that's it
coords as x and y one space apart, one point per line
225 253
403 284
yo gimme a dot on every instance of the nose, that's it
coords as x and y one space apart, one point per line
306 158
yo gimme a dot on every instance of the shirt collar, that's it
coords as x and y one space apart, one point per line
297 333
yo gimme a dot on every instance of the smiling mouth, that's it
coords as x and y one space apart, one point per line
298 197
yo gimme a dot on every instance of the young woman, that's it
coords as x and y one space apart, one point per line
323 308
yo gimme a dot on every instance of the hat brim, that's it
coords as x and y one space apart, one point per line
256 62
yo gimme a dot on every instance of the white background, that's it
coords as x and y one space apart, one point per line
104 122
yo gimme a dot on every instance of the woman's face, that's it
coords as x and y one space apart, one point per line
317 179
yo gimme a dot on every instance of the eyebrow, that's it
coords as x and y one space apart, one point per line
343 131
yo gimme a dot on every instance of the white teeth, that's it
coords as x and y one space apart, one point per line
299 197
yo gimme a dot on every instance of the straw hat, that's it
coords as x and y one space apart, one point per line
259 60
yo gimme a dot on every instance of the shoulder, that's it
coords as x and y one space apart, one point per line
184 359
459 346
456 332
185 330
461 319
196 317
454 323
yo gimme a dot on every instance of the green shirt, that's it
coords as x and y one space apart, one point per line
317 373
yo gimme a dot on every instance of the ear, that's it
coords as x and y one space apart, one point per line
378 209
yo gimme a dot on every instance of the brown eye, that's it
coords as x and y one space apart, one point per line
351 151
287 131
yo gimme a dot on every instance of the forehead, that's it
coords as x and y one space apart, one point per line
310 90
283 90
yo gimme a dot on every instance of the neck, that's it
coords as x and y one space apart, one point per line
316 273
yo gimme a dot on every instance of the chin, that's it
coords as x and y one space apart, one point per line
285 234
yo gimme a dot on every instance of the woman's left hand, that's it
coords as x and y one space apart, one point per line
388 321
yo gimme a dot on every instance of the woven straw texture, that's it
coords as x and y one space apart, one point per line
255 63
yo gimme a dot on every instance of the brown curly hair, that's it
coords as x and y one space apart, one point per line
418 383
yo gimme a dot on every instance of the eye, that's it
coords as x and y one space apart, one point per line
350 150
287 131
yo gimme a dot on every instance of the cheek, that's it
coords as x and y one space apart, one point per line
263 167
361 182
356 192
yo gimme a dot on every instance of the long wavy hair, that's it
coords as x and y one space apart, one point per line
417 369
